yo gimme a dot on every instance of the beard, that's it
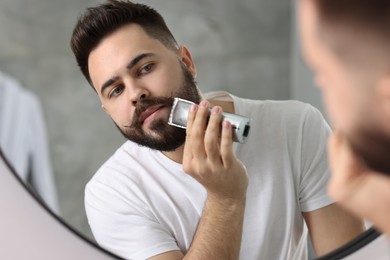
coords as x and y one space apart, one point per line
373 146
162 137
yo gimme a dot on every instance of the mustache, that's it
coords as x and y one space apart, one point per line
146 103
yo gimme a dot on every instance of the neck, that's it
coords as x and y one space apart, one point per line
177 155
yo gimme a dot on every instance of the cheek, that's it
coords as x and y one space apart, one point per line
167 81
120 113
159 83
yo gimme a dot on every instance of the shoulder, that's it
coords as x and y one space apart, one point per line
299 119
289 107
122 166
119 179
285 112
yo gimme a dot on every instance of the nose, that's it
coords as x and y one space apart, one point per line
137 93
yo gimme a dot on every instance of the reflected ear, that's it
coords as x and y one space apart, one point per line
186 58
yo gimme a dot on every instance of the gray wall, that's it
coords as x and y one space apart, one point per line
240 46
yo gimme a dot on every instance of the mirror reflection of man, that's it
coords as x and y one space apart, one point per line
347 44
190 195
24 140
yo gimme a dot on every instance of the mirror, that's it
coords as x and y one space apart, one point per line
57 239
353 250
32 226
247 48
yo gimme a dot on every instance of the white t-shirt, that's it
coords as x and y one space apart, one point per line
140 203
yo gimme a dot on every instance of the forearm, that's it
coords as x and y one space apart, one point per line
219 231
209 158
331 227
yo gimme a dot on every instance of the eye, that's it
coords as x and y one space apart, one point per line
145 69
116 91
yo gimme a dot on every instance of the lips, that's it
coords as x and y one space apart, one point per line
148 112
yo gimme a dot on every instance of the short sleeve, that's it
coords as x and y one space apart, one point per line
314 164
123 225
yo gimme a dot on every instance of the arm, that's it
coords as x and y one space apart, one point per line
331 227
211 161
218 235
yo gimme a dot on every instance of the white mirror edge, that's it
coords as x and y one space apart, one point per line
353 246
30 230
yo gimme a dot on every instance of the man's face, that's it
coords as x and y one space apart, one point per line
350 96
136 78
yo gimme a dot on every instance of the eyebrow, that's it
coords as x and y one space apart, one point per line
129 66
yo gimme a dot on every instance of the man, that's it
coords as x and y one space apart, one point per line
347 44
186 193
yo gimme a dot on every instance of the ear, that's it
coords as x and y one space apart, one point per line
185 57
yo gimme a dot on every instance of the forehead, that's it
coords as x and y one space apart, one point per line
130 37
116 50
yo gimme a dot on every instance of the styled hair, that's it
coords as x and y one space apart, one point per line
355 27
99 22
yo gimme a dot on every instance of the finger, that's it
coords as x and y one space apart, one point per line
347 170
342 155
187 154
213 131
227 143
333 148
197 130
191 118
202 116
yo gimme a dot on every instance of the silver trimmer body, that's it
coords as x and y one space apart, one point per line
179 114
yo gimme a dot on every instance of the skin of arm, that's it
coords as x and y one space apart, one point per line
355 187
209 158
331 227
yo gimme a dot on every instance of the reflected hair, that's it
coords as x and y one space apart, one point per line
354 27
99 22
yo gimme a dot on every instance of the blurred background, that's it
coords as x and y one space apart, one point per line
246 47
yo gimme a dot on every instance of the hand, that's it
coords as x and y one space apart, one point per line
364 192
352 184
348 172
208 154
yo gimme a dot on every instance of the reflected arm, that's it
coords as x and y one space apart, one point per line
370 201
331 227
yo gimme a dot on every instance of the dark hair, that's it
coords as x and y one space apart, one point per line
353 26
100 21
373 12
